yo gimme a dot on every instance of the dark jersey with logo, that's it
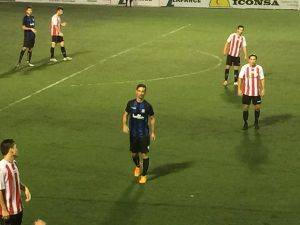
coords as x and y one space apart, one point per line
139 113
28 21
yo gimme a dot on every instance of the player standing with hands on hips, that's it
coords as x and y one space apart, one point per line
11 208
57 35
141 115
251 86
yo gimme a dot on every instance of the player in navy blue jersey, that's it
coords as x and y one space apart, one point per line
141 115
29 36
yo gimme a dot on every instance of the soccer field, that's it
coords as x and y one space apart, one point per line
204 170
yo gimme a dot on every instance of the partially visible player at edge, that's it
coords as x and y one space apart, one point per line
251 86
232 49
57 35
29 36
11 208
140 114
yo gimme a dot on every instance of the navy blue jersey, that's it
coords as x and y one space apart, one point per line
28 21
139 113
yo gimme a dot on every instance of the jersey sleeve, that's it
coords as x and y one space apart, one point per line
24 21
127 109
54 21
229 38
242 72
244 42
261 73
151 112
2 179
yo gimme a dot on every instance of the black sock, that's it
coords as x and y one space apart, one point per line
52 52
256 113
29 54
145 166
236 74
226 74
130 3
245 116
63 51
21 55
136 160
126 2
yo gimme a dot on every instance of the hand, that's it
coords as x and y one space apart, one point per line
27 194
125 129
60 34
262 92
40 222
5 214
225 53
152 136
33 30
246 58
240 93
64 24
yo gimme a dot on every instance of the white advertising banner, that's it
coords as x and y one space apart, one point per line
89 2
241 4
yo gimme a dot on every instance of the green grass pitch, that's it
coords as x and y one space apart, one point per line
204 170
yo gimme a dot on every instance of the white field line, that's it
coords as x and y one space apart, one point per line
159 78
89 67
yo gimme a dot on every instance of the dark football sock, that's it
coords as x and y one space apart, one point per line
52 52
136 160
29 55
226 74
63 51
245 116
21 55
236 74
256 113
145 166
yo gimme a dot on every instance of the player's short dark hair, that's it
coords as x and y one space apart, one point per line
59 8
240 26
141 85
28 7
6 145
252 55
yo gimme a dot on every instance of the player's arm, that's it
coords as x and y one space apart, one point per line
125 127
26 191
5 213
263 87
245 53
240 82
152 127
225 50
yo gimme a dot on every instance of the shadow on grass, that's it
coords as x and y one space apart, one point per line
126 209
252 151
270 120
167 169
39 65
230 96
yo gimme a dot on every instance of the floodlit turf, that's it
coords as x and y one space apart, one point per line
204 170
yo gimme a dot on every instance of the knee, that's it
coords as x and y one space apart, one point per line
145 156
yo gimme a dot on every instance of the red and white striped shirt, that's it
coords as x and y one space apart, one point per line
55 22
251 79
10 182
235 42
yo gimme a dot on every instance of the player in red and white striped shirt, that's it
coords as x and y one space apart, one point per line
57 35
251 86
11 210
232 48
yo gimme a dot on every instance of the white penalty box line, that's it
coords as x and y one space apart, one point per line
89 67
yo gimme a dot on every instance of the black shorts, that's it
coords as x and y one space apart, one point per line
246 100
231 60
29 42
57 39
139 144
13 219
